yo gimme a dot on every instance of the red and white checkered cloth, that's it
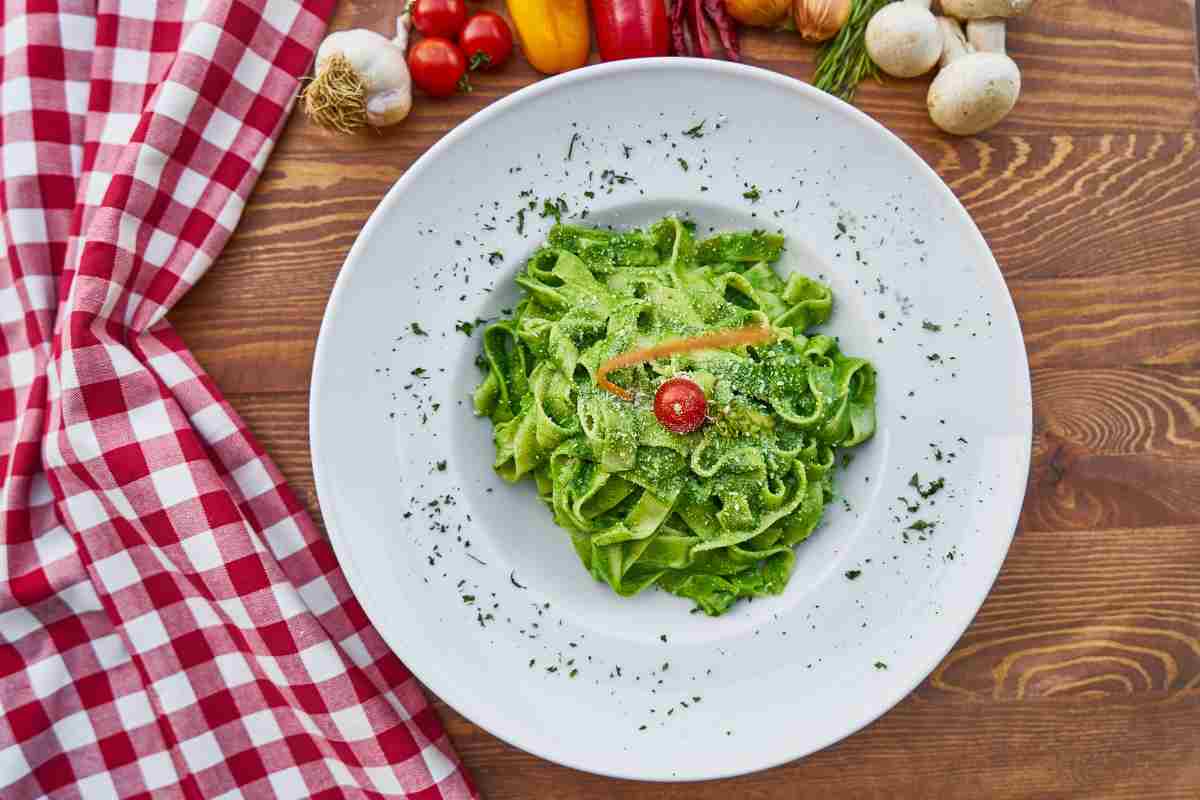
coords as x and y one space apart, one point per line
171 623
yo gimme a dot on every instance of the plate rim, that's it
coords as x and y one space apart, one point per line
601 71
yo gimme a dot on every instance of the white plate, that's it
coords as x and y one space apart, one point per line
778 678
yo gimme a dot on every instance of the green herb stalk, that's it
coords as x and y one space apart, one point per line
843 62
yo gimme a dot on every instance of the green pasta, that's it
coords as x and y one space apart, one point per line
711 515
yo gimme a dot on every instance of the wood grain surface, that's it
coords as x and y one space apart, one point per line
1080 677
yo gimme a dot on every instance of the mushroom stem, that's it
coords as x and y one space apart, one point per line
987 35
954 43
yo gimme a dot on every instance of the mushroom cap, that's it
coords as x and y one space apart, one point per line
904 40
980 9
974 92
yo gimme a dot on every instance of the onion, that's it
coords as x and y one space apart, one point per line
759 13
820 20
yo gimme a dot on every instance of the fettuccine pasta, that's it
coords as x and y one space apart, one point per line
711 515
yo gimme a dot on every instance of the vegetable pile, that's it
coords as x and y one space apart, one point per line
364 79
978 84
454 44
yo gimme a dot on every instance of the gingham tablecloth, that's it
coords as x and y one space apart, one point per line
171 623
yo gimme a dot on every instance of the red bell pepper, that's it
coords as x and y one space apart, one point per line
631 28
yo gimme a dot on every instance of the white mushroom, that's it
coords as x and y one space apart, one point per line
903 38
980 9
978 84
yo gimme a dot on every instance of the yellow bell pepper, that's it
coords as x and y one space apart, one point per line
554 33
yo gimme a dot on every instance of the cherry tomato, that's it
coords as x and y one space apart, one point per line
438 67
439 17
680 405
486 40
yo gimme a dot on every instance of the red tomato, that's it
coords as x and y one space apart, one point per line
680 405
486 40
437 66
439 17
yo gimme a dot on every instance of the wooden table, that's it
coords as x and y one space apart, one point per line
1081 675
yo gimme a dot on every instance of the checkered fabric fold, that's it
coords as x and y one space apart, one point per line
171 622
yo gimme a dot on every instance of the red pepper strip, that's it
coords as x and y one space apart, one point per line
725 25
689 21
630 28
679 43
700 30
751 334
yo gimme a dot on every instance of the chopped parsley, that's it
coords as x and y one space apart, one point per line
611 176
417 329
495 257
880 665
554 209
683 164
521 221
571 147
752 194
930 326
441 466
696 131
852 574
928 491
466 328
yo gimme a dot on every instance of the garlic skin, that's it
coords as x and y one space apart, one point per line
759 13
820 20
382 66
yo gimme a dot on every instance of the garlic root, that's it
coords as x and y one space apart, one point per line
361 79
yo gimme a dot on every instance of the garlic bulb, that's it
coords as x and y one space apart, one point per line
818 20
361 79
758 13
